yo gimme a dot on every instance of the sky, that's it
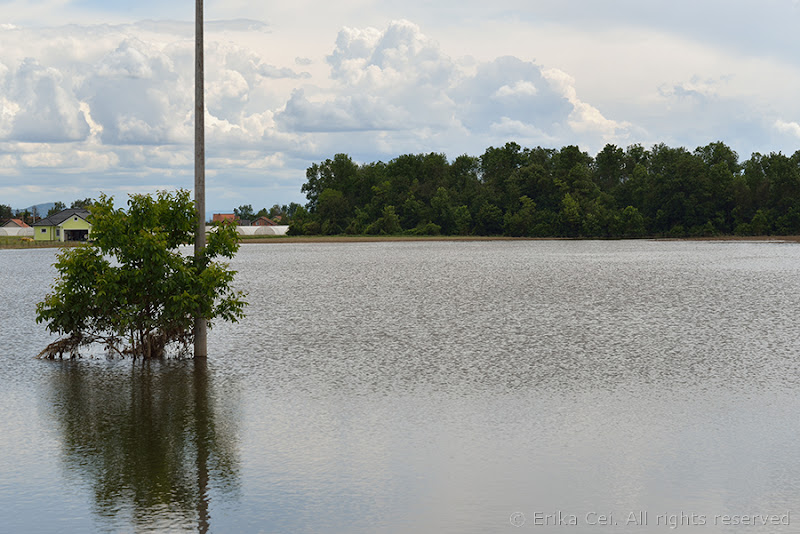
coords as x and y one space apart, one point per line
97 96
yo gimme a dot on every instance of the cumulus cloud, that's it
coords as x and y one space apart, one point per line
42 106
111 107
399 83
134 59
696 91
397 58
520 88
342 114
513 88
247 62
120 101
137 96
701 109
132 85
791 128
526 134
398 74
584 118
8 107
115 102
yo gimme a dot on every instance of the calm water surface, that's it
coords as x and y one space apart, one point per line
428 387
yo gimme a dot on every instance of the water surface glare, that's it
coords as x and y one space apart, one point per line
428 387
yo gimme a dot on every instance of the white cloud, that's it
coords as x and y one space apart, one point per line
519 88
345 113
527 134
584 117
398 68
8 110
134 58
125 94
404 87
791 128
111 102
42 106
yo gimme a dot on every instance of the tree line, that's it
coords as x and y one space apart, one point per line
32 215
278 213
544 192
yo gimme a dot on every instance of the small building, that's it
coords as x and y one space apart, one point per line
264 221
223 217
67 225
15 223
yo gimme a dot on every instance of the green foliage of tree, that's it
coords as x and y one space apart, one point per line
498 173
426 229
333 209
571 216
544 192
462 220
58 207
490 220
760 224
5 212
244 213
281 214
610 168
442 210
340 173
631 223
81 203
26 216
132 288
291 209
387 224
522 222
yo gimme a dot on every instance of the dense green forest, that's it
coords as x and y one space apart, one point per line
542 192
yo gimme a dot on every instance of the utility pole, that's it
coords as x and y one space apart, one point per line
200 326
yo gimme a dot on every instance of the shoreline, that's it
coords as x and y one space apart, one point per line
8 244
377 239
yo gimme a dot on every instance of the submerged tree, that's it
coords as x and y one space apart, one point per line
131 288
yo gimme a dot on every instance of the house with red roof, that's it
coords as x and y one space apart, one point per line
15 223
223 217
264 221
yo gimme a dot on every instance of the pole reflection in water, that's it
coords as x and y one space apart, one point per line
143 436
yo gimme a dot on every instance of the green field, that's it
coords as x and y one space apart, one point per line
27 242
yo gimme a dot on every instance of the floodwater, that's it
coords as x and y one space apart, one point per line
618 386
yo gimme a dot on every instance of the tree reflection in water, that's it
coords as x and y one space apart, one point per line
144 436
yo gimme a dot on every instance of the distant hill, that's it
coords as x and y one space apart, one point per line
41 209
